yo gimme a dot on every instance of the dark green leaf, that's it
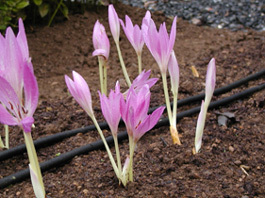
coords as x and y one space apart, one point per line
64 10
44 9
38 2
22 4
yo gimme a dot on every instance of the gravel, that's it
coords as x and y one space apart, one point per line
231 14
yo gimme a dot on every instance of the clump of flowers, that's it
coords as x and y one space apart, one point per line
133 110
19 95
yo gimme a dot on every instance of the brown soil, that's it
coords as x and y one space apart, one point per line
160 170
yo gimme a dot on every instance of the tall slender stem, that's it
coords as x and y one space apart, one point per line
101 75
123 65
117 153
6 136
175 104
139 57
105 76
33 159
164 80
113 163
132 147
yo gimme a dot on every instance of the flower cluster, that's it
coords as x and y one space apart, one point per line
19 89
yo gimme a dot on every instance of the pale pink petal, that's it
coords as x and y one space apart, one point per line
210 80
22 40
6 117
147 124
13 63
100 41
173 69
100 52
200 127
80 91
31 91
8 96
114 23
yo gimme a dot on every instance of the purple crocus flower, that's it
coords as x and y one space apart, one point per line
134 34
134 113
80 91
100 41
114 23
159 43
18 85
141 80
110 107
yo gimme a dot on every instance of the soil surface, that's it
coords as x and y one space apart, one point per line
231 162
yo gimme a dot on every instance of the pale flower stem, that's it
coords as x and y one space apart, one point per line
139 57
105 77
123 65
101 75
1 143
117 153
6 136
132 146
175 104
33 159
164 79
113 163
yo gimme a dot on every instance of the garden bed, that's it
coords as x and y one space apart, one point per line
161 169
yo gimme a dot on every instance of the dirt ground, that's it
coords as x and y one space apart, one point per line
160 169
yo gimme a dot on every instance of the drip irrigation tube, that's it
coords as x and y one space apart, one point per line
49 140
65 157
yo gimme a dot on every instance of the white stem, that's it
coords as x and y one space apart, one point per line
139 57
33 159
101 75
6 136
117 154
113 163
132 147
123 65
164 79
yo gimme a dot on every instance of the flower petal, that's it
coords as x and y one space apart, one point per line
147 124
6 117
31 90
114 23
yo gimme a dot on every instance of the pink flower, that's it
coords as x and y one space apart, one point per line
80 91
159 43
19 111
110 107
134 34
100 41
210 81
145 22
18 85
141 80
13 55
134 113
114 23
173 69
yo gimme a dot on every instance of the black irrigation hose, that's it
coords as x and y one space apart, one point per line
65 157
48 140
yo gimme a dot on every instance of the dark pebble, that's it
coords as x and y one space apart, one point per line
233 15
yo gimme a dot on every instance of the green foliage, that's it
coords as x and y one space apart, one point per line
11 10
